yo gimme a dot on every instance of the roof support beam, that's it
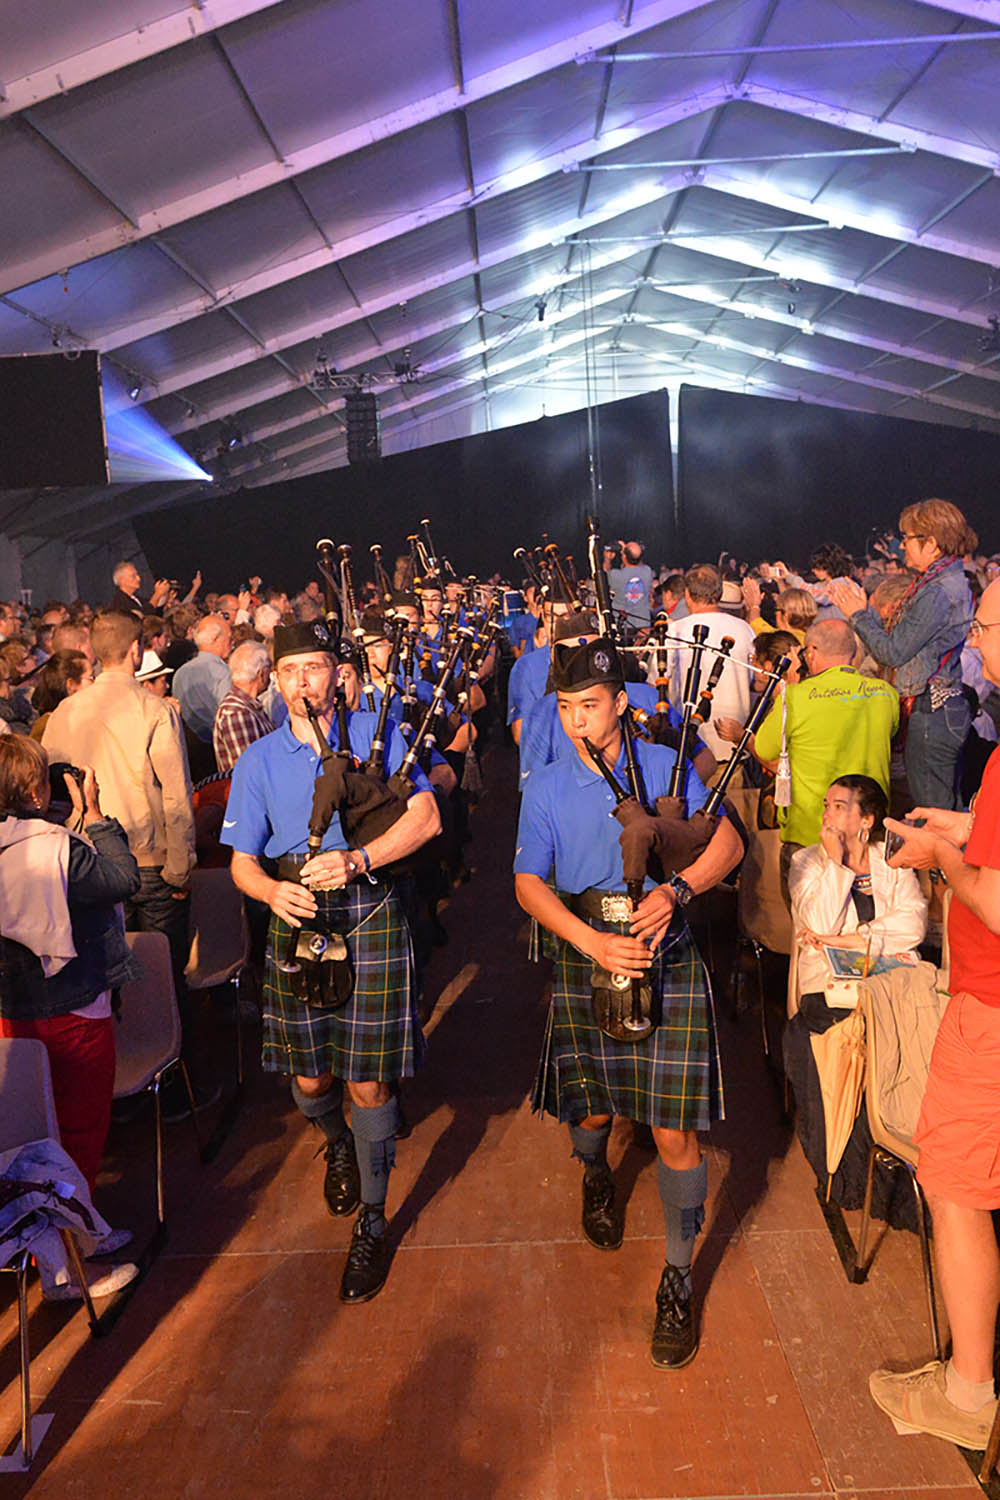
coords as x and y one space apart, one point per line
319 153
314 328
843 216
861 123
464 199
197 19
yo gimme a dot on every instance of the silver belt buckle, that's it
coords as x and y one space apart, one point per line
616 909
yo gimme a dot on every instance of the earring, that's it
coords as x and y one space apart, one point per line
863 836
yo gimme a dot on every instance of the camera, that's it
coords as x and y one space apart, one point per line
58 772
894 841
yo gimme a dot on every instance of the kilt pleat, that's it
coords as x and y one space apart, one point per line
376 1036
672 1080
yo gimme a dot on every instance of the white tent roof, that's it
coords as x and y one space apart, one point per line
521 206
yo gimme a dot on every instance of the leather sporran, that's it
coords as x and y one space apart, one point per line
323 975
611 1002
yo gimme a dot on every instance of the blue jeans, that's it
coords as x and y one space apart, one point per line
934 743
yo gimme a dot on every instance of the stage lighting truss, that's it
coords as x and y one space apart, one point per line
326 377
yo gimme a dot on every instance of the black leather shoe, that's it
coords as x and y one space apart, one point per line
367 1262
342 1185
675 1338
600 1222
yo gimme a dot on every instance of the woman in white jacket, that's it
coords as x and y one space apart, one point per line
844 894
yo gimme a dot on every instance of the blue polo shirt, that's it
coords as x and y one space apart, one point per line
521 631
567 824
526 684
543 739
424 693
270 800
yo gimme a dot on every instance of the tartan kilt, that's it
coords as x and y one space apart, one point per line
376 1036
672 1080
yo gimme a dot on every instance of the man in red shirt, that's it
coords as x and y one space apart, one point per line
959 1128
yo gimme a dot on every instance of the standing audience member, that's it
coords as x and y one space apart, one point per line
240 719
201 683
921 639
631 585
125 599
135 745
62 942
64 674
958 1132
703 597
836 723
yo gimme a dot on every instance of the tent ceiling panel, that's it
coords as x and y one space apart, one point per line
91 296
236 242
42 195
405 175
314 69
389 182
28 31
185 108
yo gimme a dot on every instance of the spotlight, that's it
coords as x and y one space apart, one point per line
989 342
135 390
540 309
230 435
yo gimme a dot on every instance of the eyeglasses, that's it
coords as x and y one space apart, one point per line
979 626
912 536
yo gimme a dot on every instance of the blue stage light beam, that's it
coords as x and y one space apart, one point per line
139 449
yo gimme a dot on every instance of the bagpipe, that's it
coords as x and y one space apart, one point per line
660 840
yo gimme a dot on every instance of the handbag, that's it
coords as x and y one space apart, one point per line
323 976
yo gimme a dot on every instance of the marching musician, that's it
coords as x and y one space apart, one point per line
670 1080
543 738
358 1029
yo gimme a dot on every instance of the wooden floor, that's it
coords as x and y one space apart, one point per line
506 1359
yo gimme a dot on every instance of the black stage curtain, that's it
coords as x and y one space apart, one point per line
484 496
765 478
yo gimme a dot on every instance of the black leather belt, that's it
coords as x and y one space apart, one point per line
593 905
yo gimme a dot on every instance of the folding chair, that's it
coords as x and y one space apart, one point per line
220 953
28 1113
148 1043
763 920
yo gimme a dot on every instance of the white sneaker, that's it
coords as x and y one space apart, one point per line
917 1401
104 1286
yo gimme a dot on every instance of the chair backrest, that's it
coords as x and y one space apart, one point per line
761 909
220 938
148 1030
27 1105
903 1010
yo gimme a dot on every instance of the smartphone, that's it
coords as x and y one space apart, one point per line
894 841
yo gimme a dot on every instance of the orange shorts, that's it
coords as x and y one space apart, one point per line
959 1127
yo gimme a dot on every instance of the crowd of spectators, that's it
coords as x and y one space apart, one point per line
158 697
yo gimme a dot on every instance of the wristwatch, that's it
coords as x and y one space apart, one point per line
682 891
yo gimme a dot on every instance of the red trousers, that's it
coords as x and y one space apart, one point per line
82 1062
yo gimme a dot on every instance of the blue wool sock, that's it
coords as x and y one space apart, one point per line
375 1142
325 1110
591 1146
683 1197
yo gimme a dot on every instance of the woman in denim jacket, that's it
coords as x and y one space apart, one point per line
62 939
921 641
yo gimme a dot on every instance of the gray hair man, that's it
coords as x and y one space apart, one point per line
241 718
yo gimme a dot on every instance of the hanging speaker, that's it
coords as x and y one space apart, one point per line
363 445
52 421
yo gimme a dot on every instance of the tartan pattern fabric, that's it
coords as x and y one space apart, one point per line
376 1036
239 721
672 1080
